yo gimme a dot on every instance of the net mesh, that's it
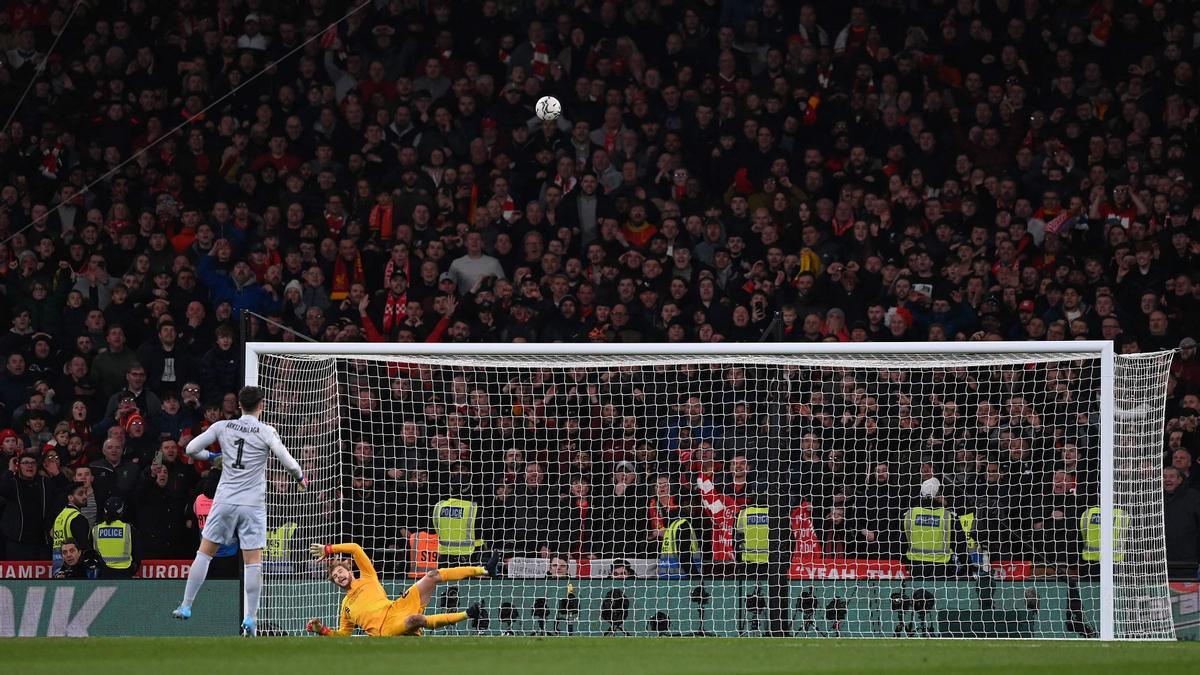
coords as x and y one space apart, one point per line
885 495
1142 603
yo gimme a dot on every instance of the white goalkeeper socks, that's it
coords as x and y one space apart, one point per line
196 577
253 585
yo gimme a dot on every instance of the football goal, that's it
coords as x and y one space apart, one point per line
979 489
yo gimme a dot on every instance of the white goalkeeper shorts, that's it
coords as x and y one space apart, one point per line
245 526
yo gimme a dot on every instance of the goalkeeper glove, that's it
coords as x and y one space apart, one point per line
215 459
316 627
320 551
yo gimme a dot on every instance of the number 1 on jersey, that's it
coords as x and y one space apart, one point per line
241 445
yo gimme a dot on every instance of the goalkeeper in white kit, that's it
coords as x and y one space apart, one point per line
239 512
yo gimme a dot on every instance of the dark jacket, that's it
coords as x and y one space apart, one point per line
173 426
1181 518
29 506
120 480
218 373
90 566
160 520
155 359
540 519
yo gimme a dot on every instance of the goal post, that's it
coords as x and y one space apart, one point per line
968 489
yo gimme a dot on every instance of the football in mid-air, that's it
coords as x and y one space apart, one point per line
548 108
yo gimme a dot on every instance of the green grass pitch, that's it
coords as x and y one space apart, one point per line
569 656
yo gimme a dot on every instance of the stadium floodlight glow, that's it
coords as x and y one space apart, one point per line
967 489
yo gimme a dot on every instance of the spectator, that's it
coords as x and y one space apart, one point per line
31 500
166 362
79 563
161 507
538 514
111 365
116 474
875 514
474 266
1182 521
618 532
218 366
143 400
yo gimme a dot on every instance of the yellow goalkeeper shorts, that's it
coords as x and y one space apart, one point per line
402 607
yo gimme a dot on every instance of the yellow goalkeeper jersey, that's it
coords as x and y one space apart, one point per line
366 603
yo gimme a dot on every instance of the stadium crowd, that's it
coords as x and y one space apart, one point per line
926 170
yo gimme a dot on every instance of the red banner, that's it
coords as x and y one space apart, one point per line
1011 570
827 569
24 569
150 569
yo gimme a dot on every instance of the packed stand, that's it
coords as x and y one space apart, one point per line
863 172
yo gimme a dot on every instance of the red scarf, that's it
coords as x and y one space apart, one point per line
541 61
381 219
342 278
395 310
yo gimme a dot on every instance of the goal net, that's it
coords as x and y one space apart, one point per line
1000 490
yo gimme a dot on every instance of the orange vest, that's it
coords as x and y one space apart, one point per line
423 553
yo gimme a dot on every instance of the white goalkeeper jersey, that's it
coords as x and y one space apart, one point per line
246 443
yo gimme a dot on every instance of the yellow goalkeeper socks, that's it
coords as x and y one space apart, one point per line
460 573
434 621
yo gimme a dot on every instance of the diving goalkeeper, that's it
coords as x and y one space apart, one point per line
367 606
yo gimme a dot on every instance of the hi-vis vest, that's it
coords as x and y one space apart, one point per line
1089 527
62 526
928 534
278 541
114 543
669 565
967 522
423 553
754 524
454 520
670 542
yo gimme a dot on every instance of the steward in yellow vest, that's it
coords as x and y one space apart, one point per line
932 534
1090 530
679 555
71 524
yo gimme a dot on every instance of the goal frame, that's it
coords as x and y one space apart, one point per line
1100 349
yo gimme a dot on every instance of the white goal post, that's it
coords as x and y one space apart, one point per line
905 489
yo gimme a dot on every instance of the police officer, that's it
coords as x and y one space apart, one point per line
454 520
1089 532
932 534
679 554
753 536
71 524
114 539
